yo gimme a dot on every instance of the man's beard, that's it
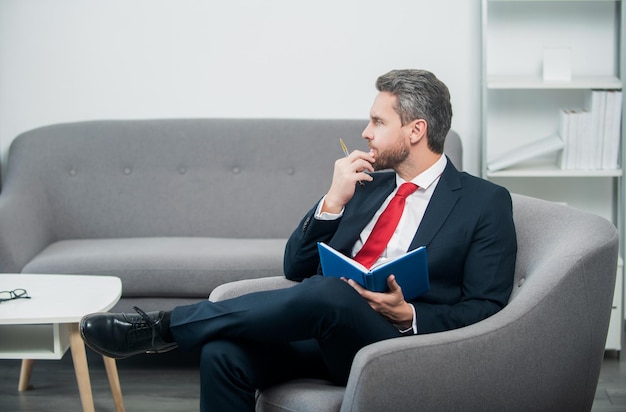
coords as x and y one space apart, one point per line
391 158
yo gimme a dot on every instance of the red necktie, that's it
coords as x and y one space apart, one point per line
384 227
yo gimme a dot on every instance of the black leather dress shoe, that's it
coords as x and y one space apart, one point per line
120 335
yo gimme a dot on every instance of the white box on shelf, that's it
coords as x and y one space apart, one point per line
557 64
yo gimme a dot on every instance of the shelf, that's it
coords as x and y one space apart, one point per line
536 82
518 104
549 1
42 341
554 172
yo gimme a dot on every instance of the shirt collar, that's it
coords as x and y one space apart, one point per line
428 176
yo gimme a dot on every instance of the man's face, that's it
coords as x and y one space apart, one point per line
385 134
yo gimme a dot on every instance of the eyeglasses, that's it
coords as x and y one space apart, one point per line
13 294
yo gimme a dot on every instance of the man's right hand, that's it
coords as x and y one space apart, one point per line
348 171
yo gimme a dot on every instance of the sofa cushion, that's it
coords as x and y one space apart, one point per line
164 266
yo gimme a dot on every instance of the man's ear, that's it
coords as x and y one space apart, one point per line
418 131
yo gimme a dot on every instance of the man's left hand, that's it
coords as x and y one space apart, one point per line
390 304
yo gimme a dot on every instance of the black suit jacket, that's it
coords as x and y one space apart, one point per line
468 232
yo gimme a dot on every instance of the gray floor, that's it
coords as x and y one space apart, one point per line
172 385
611 391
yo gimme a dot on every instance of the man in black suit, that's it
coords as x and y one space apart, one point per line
314 329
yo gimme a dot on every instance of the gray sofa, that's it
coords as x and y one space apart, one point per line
173 207
542 352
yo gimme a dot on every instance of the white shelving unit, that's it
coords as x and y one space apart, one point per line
520 107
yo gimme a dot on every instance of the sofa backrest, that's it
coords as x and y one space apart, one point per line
181 177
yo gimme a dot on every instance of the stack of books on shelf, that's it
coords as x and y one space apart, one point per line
592 137
587 139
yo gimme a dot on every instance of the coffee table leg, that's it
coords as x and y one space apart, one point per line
79 356
25 373
114 382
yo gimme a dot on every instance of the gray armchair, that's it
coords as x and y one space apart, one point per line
541 352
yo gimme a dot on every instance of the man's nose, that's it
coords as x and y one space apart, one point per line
366 133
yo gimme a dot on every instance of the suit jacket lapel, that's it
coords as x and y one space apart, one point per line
441 204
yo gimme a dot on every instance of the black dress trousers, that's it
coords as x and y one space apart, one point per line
313 329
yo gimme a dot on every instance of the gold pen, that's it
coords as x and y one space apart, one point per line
347 153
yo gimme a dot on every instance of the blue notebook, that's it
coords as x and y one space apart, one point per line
410 270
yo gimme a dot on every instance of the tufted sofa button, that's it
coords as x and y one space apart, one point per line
182 170
236 170
72 172
127 171
291 171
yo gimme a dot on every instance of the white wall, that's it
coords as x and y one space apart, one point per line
72 60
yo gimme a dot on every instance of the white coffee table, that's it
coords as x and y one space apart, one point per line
44 326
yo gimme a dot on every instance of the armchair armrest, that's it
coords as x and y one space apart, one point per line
522 358
241 287
431 372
